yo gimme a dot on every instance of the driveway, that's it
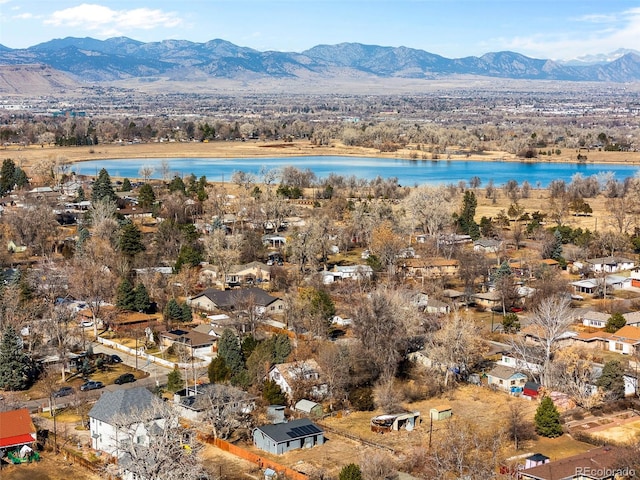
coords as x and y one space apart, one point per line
157 373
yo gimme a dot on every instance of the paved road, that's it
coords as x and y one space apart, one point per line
157 377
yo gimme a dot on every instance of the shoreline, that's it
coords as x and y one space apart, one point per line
27 157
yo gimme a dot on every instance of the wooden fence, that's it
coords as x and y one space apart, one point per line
262 462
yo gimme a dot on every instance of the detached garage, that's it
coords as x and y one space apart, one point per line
282 437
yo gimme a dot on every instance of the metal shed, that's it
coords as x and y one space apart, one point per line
312 409
441 412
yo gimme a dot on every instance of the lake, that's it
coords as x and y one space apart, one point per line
408 172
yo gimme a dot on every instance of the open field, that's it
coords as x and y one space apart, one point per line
50 467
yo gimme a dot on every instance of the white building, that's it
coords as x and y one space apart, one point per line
110 411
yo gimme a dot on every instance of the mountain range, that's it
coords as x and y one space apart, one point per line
91 60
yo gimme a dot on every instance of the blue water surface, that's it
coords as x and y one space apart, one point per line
408 172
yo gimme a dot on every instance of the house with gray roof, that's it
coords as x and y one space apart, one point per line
110 410
611 264
507 379
228 300
282 437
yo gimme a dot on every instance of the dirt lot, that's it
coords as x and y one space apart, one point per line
625 432
48 468
620 428
229 466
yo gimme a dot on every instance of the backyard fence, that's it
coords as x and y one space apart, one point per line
258 460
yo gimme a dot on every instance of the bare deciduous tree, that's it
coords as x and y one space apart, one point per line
223 251
92 279
549 321
383 325
153 443
228 410
463 451
334 361
458 345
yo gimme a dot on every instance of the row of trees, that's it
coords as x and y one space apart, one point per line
503 126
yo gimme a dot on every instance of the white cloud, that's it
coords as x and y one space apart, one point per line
24 16
106 21
597 18
616 31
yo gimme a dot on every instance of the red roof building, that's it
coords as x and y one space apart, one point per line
16 428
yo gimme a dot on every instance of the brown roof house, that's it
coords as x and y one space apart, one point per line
597 464
625 341
198 344
430 267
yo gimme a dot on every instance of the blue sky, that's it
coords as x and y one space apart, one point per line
557 29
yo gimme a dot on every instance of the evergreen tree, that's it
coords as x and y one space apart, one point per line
83 236
362 399
175 381
80 197
511 323
547 419
125 295
172 310
322 304
612 380
192 185
248 345
188 256
146 196
229 349
142 301
272 393
20 178
350 472
102 188
15 365
241 379
466 222
218 371
281 347
130 240
177 185
615 322
7 176
186 314
126 185
556 251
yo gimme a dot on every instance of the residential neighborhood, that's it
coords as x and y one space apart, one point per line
287 326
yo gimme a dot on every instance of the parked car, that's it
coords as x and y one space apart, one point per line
91 385
125 378
86 324
116 359
63 392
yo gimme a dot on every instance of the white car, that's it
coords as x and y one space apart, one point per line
86 324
